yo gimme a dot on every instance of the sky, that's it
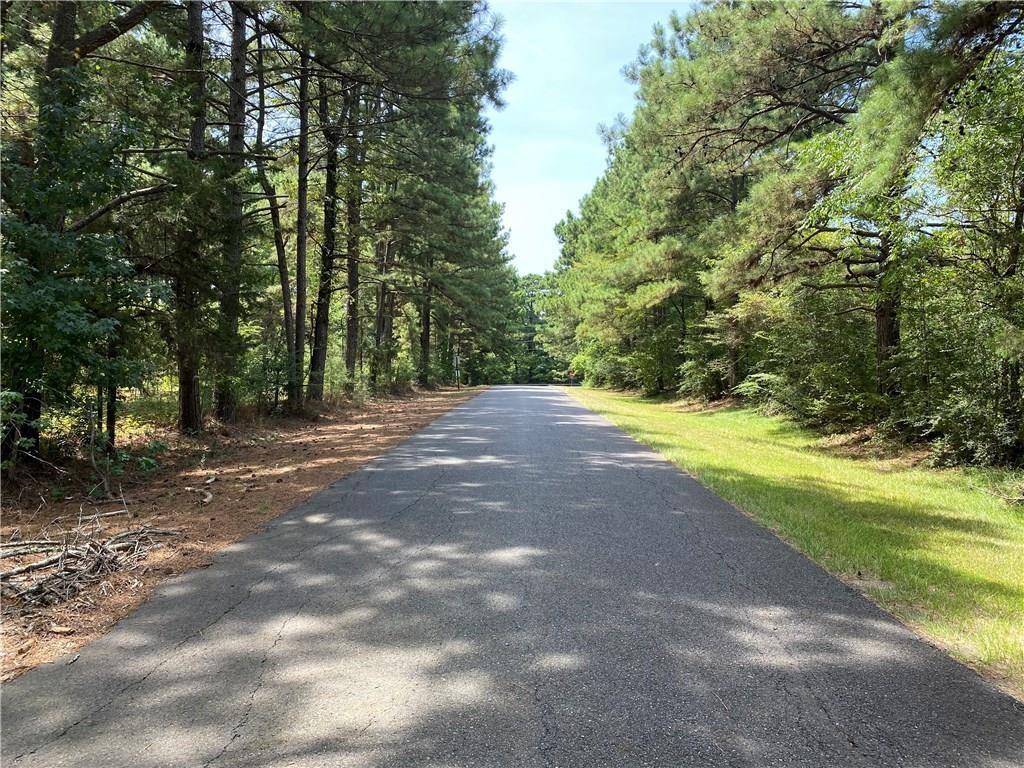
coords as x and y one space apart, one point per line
567 59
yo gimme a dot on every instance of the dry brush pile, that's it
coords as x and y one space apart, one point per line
59 562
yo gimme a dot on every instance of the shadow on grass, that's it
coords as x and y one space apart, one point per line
847 525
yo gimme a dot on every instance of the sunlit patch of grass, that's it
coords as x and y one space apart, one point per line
140 416
933 547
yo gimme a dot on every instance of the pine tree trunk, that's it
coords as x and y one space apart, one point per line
378 320
190 418
353 204
111 415
295 396
318 355
380 363
99 407
230 344
424 367
292 391
887 327
60 53
887 341
190 415
111 396
194 63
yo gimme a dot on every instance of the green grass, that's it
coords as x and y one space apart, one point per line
929 545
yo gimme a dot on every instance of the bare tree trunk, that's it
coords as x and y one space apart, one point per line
55 94
301 222
424 368
190 419
887 338
353 220
276 224
111 415
887 328
352 296
99 406
190 415
61 52
230 344
194 42
380 363
318 355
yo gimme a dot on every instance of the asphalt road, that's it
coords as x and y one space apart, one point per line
519 584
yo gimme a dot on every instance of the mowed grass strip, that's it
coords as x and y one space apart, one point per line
928 545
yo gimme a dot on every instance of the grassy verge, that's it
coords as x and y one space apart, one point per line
927 545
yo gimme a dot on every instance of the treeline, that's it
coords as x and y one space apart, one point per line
256 204
817 206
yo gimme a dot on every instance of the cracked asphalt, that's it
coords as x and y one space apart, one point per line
519 584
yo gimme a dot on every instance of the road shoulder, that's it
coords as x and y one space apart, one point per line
229 490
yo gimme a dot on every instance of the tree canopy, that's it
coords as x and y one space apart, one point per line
255 205
819 207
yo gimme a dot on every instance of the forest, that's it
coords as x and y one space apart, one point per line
228 208
817 208
234 207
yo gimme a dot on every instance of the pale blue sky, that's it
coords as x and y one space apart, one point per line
567 59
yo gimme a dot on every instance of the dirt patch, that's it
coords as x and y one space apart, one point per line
691 405
867 444
865 583
252 475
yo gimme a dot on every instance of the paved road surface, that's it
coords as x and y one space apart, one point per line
520 584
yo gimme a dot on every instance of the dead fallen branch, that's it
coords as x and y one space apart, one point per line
206 495
85 518
1015 499
72 563
35 566
27 547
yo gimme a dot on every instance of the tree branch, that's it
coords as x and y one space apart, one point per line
114 28
117 202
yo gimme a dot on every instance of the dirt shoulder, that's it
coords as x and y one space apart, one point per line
212 493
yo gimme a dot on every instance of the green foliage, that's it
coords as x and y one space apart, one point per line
816 207
140 249
60 288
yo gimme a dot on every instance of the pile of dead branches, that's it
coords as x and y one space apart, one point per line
52 570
